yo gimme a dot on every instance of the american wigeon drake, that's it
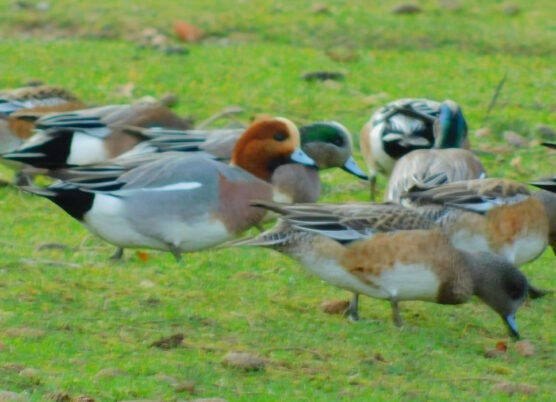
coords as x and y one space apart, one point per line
423 165
18 105
329 144
352 247
182 203
91 135
493 215
408 124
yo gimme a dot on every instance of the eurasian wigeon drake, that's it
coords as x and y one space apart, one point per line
424 165
408 124
91 135
329 144
182 203
17 105
359 247
492 215
548 199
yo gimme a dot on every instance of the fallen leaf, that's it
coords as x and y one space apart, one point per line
514 139
483 132
170 342
143 256
493 353
513 388
343 54
60 397
407 9
525 348
84 398
187 32
244 360
501 346
323 75
334 306
186 386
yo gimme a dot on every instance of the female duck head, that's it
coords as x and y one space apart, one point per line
267 144
450 128
329 144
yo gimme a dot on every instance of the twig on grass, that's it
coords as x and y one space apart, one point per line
493 101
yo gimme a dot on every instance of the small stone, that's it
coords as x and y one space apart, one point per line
6 396
31 374
146 284
483 132
525 348
511 9
160 377
545 131
176 50
60 397
320 9
407 9
110 372
514 139
43 6
244 360
513 388
84 398
334 306
493 353
169 99
186 386
170 342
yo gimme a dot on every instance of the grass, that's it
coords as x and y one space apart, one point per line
70 313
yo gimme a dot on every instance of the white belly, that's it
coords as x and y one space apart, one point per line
409 282
86 149
524 249
385 162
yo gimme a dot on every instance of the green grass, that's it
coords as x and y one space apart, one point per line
71 313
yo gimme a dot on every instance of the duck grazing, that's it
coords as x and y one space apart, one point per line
91 135
358 247
426 165
406 125
181 203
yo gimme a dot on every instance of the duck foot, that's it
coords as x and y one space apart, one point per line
396 313
536 293
352 312
118 254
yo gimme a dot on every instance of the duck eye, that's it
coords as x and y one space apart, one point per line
280 136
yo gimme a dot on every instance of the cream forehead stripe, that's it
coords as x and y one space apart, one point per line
291 128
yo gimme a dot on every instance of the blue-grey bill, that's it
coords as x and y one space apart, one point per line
298 156
351 167
512 325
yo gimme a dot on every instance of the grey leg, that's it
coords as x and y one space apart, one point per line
118 254
396 312
352 311
176 253
372 182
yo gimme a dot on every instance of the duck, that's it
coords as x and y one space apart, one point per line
408 124
92 135
364 249
494 215
19 104
328 143
428 165
182 203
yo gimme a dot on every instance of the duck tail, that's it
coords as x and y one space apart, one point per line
72 199
273 238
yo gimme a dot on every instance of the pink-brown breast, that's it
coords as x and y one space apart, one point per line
234 210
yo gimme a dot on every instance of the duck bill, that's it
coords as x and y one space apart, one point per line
351 167
298 156
512 325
